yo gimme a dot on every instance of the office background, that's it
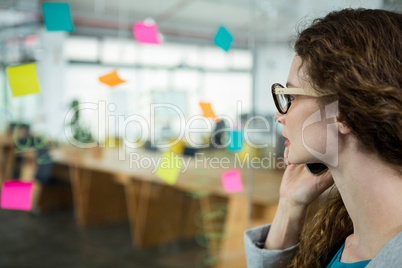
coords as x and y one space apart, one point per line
185 69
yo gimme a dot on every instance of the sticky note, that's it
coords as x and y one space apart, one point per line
223 38
146 33
16 195
235 141
207 110
111 79
169 167
231 181
57 17
23 79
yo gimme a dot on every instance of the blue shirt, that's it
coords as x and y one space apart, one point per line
336 261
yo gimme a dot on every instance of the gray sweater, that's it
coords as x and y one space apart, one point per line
390 256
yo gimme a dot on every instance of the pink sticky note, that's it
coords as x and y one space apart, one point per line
16 195
231 181
146 33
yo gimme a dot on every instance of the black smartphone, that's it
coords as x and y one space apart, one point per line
316 168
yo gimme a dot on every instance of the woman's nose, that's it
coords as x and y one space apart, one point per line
280 117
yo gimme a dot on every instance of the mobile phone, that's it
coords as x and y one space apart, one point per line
316 168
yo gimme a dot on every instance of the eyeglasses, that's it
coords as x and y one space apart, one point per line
282 96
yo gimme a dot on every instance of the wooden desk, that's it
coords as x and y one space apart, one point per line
7 157
160 213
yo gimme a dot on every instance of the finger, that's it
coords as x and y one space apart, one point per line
325 181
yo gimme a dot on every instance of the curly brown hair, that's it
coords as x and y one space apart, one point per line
356 55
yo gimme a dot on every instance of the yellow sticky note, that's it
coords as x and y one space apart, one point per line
169 167
111 79
207 110
23 79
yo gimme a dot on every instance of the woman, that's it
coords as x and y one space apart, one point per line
343 108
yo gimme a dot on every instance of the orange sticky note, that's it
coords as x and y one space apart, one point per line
23 79
111 79
207 110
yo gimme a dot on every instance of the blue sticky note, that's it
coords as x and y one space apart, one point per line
235 141
223 38
57 17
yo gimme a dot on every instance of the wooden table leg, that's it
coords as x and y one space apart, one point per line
9 162
29 166
97 198
2 164
158 218
28 171
132 191
213 213
191 207
80 180
232 249
230 252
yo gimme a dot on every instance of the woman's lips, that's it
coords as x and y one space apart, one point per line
287 142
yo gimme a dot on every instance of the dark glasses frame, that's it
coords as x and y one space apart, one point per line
278 89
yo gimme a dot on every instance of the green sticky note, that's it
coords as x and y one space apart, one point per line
169 168
57 17
223 38
23 79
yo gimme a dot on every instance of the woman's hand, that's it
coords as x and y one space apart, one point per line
299 187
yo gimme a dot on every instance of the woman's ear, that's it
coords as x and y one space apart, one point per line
342 126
